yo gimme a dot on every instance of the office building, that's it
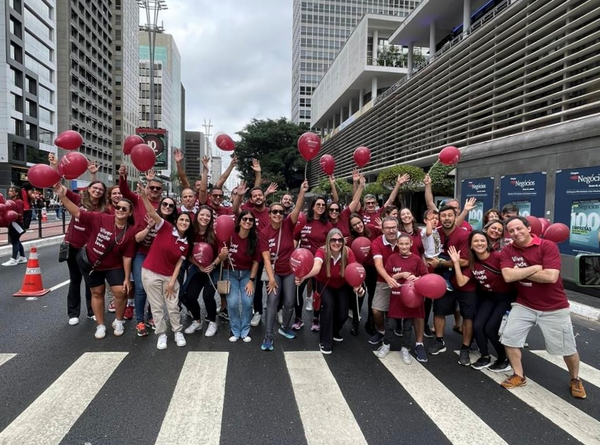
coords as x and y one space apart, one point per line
195 150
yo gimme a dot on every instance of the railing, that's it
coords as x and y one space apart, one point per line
56 224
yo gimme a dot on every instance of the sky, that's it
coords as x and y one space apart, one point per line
236 58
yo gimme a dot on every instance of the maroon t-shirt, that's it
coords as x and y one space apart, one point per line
459 238
383 250
166 250
343 222
269 238
335 280
237 253
537 296
77 233
261 217
103 231
139 213
20 208
417 243
397 263
489 281
313 234
369 217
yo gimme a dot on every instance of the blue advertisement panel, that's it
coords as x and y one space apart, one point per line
577 204
481 189
527 192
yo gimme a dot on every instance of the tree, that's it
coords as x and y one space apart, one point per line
344 189
273 143
387 179
440 183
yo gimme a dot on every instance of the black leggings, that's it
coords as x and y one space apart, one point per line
370 282
487 321
258 289
196 283
74 292
14 238
334 312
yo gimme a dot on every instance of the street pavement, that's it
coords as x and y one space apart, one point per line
59 385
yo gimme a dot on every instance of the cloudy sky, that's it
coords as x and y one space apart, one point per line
236 59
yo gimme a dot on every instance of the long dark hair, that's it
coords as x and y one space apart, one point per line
415 226
472 255
172 218
252 236
366 232
130 219
310 214
86 199
210 231
189 232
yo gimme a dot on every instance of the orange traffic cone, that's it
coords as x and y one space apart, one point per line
32 282
44 215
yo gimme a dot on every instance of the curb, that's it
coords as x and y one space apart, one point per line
42 242
584 310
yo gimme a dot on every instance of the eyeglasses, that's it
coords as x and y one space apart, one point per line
390 228
168 205
320 204
276 212
336 240
247 219
334 210
370 203
155 188
122 208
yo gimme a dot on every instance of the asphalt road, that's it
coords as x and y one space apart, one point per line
60 385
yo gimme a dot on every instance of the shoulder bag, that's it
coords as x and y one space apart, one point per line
82 257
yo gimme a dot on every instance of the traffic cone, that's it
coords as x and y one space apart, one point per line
32 282
44 215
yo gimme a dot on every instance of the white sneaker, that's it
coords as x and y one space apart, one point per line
195 326
179 339
406 358
246 339
100 332
256 319
280 316
211 330
309 304
73 321
119 327
22 260
233 339
383 351
162 342
11 262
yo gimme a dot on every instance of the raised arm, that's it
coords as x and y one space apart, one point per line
299 202
93 169
124 187
148 205
221 182
355 204
70 206
429 193
455 258
257 172
402 179
334 193
178 156
469 205
237 198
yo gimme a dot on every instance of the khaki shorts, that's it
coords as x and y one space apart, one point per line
381 297
556 328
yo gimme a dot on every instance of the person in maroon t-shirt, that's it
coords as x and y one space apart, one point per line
495 297
534 264
341 218
408 225
276 247
370 212
110 248
328 270
15 230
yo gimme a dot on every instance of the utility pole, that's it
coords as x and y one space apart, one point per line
207 134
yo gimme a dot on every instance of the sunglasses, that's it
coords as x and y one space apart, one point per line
154 188
247 219
370 203
220 195
336 240
276 212
168 205
334 210
122 208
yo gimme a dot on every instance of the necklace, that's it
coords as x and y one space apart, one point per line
117 242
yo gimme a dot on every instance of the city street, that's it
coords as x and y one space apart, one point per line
58 384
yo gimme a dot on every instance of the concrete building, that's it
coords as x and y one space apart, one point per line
85 79
320 29
195 150
514 84
125 49
28 120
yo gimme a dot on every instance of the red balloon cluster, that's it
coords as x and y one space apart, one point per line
361 247
355 274
449 155
8 212
130 142
203 254
362 156
42 175
535 224
69 140
431 286
224 142
327 164
309 145
224 228
301 262
557 232
545 222
143 157
72 165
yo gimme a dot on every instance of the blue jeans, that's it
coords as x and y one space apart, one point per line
239 318
140 293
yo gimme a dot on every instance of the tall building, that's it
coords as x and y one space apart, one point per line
85 78
125 48
27 86
195 150
168 93
320 29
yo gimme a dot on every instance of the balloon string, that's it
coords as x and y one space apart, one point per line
305 169
357 306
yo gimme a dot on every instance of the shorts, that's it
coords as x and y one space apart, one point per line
115 277
381 297
556 328
467 303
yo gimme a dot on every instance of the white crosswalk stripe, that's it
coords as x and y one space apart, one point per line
326 417
588 373
50 417
5 357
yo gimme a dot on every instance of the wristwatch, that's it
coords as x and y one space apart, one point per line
253 279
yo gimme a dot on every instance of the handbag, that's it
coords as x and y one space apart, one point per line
63 252
83 261
223 287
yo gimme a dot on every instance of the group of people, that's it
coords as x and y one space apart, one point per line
501 281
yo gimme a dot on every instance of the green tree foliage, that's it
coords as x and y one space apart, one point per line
440 183
273 143
344 189
388 177
375 188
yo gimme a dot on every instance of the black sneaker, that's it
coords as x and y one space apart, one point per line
427 332
398 332
500 366
324 350
376 339
482 362
420 353
463 358
224 314
438 348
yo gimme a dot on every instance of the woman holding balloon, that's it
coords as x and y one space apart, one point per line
276 247
14 217
329 270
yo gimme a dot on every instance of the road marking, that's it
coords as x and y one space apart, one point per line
50 417
586 372
573 421
438 401
196 408
326 417
6 357
59 285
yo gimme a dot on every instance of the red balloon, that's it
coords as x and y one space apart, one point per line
557 232
361 247
42 176
143 157
327 164
355 274
301 219
224 228
449 155
203 254
410 296
301 262
224 142
130 142
545 222
309 145
536 225
431 286
3 222
72 165
2 200
10 205
10 216
69 140
362 156
3 209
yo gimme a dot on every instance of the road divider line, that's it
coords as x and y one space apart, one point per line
196 408
59 285
586 372
50 417
455 419
6 357
325 414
